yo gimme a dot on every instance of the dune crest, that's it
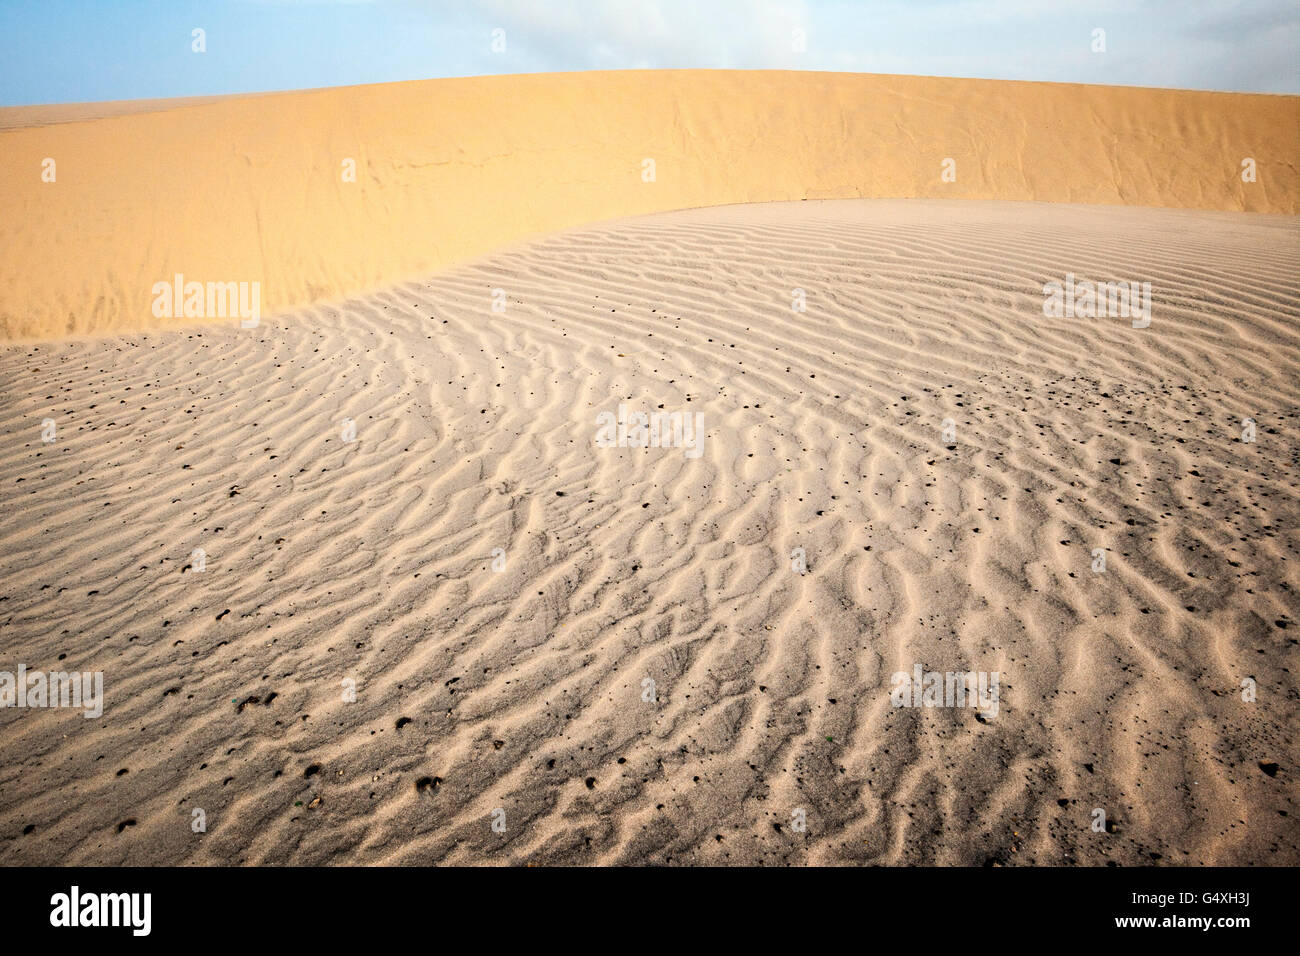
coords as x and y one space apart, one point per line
253 189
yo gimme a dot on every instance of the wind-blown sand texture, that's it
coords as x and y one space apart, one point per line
522 689
250 188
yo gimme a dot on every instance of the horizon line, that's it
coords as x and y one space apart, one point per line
197 99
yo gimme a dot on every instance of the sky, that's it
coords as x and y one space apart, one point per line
59 51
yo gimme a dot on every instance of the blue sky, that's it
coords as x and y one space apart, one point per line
78 50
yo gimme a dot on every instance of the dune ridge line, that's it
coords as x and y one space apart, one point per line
251 188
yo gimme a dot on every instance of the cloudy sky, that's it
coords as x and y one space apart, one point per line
77 50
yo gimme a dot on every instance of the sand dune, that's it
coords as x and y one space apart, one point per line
251 189
521 690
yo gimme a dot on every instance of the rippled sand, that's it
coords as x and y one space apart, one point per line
522 689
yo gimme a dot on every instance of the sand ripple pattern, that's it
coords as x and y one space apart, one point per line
521 690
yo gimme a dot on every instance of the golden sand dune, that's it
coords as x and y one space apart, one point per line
521 690
252 189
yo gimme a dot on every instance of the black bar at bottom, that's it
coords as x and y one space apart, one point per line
662 906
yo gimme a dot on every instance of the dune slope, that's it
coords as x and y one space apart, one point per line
522 689
254 188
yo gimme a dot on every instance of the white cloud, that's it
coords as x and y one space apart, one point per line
622 34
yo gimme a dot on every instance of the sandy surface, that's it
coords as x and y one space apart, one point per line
251 189
522 689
